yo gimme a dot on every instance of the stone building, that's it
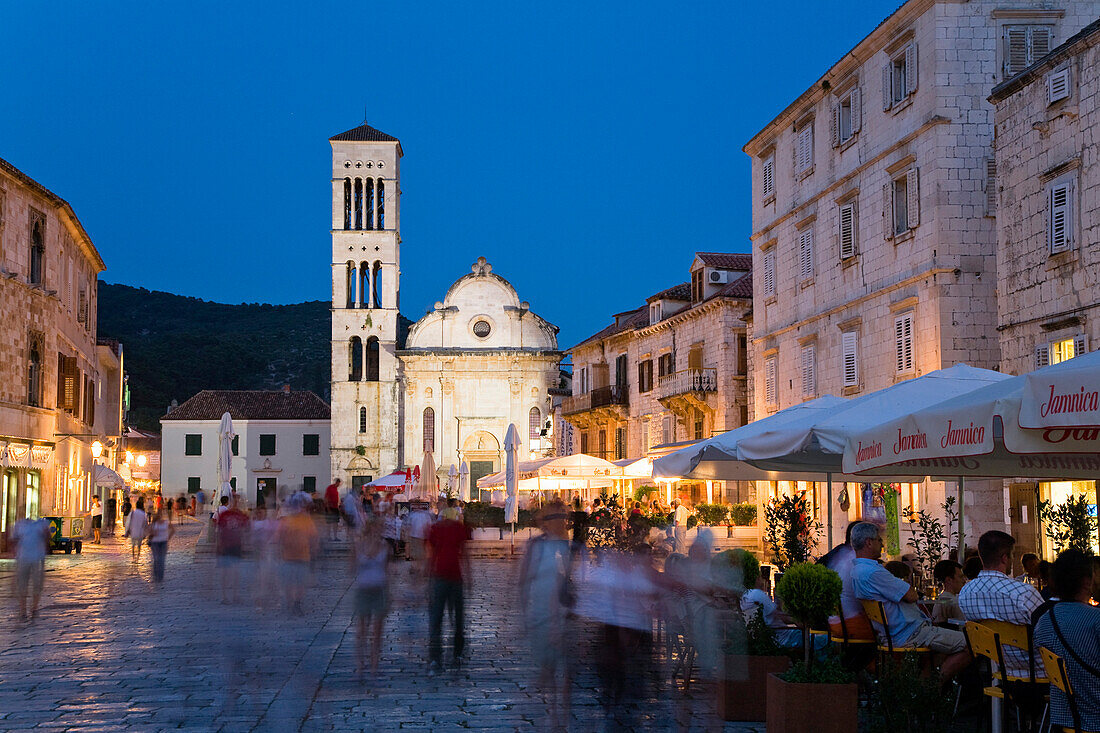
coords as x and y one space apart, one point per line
48 356
282 444
450 383
873 235
1048 223
669 371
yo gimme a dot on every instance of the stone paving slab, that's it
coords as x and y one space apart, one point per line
111 651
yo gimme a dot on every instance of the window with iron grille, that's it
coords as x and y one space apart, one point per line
429 430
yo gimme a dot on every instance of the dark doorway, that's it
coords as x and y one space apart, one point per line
479 469
358 482
265 492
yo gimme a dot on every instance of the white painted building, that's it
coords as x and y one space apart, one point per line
1048 223
453 381
874 242
282 444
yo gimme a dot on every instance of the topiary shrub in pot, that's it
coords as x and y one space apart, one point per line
821 697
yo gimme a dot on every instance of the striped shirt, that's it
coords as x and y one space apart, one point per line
1080 625
994 595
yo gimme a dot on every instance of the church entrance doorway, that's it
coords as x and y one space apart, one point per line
481 450
480 469
265 492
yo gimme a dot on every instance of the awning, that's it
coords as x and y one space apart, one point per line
104 476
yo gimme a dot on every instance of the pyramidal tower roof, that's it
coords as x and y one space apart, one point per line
365 134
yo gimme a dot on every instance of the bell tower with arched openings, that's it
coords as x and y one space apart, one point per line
366 259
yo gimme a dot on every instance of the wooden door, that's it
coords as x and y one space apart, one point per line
1023 513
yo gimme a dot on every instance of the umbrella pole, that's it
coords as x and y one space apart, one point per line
513 538
829 512
962 523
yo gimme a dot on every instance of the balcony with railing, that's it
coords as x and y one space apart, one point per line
688 381
614 396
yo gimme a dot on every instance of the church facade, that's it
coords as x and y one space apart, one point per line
450 383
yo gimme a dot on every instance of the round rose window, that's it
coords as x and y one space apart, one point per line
482 329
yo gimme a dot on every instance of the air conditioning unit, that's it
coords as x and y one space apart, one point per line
718 277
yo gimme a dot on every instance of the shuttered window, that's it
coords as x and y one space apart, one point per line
806 254
68 384
847 116
192 444
847 230
990 186
899 77
804 147
1058 86
769 272
809 370
767 177
1061 217
770 380
1024 45
1042 355
902 203
903 343
849 345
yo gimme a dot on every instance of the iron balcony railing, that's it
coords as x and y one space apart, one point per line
688 380
616 394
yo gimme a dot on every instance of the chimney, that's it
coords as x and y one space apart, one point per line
286 389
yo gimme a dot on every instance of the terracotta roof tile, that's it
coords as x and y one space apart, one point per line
365 134
210 404
739 288
726 260
676 292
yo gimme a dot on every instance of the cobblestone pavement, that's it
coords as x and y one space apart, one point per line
112 651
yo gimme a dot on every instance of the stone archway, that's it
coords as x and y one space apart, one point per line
360 472
481 451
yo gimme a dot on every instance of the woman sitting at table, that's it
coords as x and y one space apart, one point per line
1071 629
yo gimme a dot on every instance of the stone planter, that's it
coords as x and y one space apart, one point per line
743 684
486 533
797 707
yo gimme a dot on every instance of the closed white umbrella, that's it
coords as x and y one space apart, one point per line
511 480
429 486
452 480
225 457
464 482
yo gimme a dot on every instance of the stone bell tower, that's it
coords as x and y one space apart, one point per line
366 259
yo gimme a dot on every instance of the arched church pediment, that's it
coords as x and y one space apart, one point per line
481 441
359 462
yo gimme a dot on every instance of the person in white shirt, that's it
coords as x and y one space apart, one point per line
680 516
418 523
781 623
97 518
138 524
32 539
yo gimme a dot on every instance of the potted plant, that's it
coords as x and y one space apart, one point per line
1068 525
749 652
789 531
821 697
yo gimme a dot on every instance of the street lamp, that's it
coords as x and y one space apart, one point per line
141 460
97 449
129 457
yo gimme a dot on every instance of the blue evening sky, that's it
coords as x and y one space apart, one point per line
586 149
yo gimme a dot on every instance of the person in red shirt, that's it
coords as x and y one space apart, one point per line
448 571
232 525
332 508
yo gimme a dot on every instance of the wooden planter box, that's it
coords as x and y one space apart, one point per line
743 684
796 708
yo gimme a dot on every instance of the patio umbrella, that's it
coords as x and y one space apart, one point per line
225 457
452 480
429 483
511 485
464 482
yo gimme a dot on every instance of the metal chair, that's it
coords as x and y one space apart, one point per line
985 642
876 611
855 653
1056 670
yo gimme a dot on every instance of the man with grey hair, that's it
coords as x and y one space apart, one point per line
909 627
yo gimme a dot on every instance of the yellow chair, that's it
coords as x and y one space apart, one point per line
877 613
1056 671
1019 636
984 642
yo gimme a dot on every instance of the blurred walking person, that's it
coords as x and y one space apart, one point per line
680 516
32 539
160 531
332 509
448 571
370 564
264 527
547 599
419 522
297 539
97 519
139 523
229 549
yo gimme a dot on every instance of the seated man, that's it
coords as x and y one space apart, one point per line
949 575
855 622
908 626
781 623
995 595
1030 563
1071 629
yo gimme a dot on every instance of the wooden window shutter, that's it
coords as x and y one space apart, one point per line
60 400
1042 356
835 124
912 202
903 343
1015 49
809 378
857 110
1041 42
806 254
990 186
1059 237
849 342
1080 345
847 231
888 210
1058 86
769 272
910 69
768 177
770 377
887 96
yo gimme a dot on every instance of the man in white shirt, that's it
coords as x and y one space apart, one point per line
97 518
32 543
994 595
418 523
680 516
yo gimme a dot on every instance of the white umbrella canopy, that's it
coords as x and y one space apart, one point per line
452 480
225 456
464 482
577 467
394 480
979 434
429 482
511 458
